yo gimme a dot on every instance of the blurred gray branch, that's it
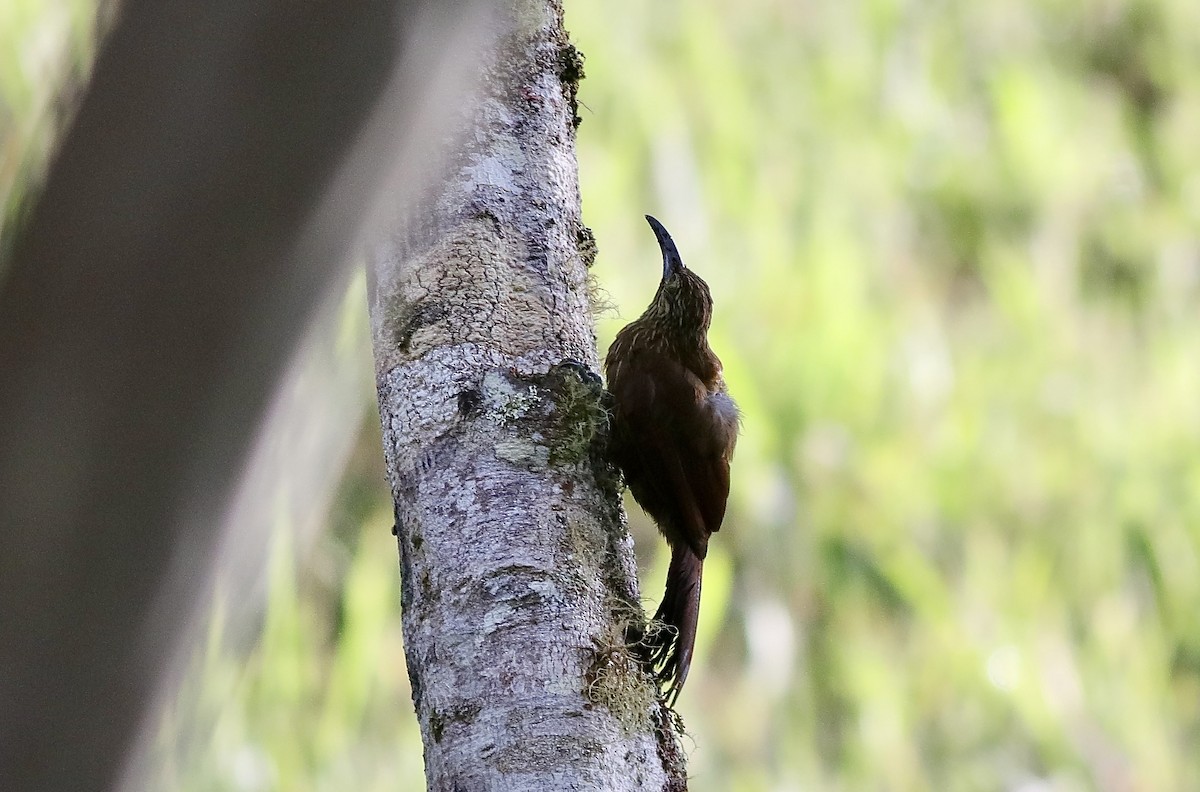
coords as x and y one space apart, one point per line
223 159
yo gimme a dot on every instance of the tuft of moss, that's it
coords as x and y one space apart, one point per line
616 681
585 243
570 72
580 417
570 63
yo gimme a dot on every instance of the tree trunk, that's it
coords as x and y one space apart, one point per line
517 573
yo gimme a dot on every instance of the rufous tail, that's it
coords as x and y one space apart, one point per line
671 644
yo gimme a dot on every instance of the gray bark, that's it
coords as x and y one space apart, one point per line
517 572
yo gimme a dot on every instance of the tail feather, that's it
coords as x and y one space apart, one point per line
670 647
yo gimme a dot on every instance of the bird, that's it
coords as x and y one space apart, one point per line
673 432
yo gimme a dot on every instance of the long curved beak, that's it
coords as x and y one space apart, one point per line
672 262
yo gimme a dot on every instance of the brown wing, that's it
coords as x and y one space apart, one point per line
675 457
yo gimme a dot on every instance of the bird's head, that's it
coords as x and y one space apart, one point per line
682 302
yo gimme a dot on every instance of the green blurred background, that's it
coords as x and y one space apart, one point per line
955 254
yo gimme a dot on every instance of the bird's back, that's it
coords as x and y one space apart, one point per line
673 435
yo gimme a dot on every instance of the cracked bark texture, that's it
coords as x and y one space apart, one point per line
518 579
